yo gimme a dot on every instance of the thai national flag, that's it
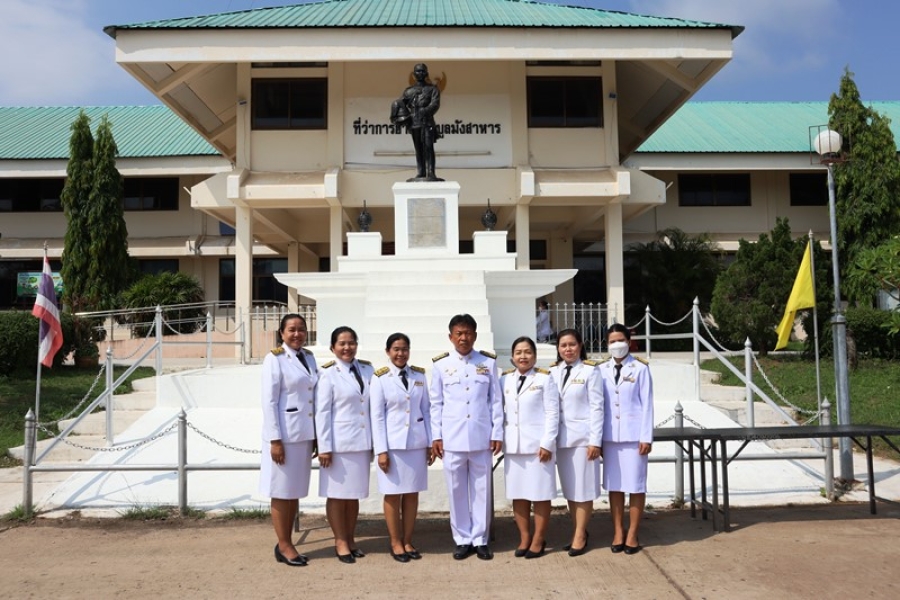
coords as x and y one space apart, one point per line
45 309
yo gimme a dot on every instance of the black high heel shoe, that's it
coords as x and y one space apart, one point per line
530 554
300 561
616 548
520 552
583 549
347 559
414 553
629 550
587 534
357 553
403 557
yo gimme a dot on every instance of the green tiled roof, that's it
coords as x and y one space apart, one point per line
422 13
140 131
749 126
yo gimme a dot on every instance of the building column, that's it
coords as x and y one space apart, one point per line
336 234
523 237
615 270
293 266
561 258
243 268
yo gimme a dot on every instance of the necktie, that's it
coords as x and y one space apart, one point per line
618 372
302 360
358 378
521 383
404 379
568 372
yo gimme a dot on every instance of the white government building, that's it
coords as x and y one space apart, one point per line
573 123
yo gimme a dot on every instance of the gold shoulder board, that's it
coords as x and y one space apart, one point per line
641 359
417 369
488 354
544 371
440 356
363 362
554 364
381 371
590 363
278 350
330 363
508 371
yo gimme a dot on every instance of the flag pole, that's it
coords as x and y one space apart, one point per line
37 389
812 267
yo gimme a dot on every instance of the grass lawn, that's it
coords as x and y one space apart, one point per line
61 390
874 386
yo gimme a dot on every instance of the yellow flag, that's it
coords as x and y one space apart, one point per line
802 296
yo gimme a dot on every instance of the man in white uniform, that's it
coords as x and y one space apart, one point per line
467 425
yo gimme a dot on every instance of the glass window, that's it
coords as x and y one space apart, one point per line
809 189
155 266
151 193
714 189
31 195
290 103
265 287
565 102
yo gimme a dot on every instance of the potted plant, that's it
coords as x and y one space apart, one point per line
86 352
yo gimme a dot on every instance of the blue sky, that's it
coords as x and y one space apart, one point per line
55 52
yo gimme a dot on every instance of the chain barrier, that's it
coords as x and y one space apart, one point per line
109 448
82 401
687 418
660 424
222 444
638 324
670 324
140 346
712 337
802 411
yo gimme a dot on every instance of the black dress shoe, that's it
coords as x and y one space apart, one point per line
402 557
543 551
616 548
357 553
414 554
587 535
484 552
347 559
299 561
579 551
633 549
463 551
520 552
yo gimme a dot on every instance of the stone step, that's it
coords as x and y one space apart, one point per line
722 393
95 423
135 401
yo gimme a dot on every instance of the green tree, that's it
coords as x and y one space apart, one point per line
750 296
165 289
868 181
878 269
75 200
109 264
671 271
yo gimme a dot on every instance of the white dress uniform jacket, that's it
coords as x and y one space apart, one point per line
581 405
288 393
466 404
531 416
629 403
343 423
401 418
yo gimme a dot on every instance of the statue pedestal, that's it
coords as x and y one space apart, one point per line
426 218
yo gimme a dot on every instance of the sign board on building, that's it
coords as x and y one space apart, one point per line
27 283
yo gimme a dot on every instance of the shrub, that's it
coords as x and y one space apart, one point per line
19 332
869 328
165 289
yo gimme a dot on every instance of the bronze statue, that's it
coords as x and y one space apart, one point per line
415 109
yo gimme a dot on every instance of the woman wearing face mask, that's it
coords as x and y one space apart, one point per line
627 436
580 432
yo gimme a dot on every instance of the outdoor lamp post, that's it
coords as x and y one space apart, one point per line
827 145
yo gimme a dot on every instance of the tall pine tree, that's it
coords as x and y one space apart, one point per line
75 200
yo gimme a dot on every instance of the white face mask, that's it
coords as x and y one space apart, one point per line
618 349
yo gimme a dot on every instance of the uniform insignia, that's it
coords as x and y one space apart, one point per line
641 359
440 356
488 354
278 350
382 371
363 362
542 371
330 363
590 363
417 369
508 371
554 364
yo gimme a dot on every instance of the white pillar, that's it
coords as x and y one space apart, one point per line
336 234
243 266
615 271
523 237
293 266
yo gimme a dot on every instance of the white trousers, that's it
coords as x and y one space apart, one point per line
469 481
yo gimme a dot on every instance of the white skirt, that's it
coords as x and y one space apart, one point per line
348 476
579 477
624 470
290 480
527 478
407 473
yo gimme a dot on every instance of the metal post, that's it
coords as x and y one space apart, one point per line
182 462
828 447
110 435
157 325
679 457
209 344
647 329
243 337
839 337
748 374
27 488
696 321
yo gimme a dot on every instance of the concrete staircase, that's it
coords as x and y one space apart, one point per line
91 431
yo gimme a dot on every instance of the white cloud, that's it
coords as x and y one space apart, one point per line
53 56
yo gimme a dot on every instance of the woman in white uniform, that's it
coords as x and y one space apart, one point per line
580 432
288 391
530 426
401 433
344 432
627 436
